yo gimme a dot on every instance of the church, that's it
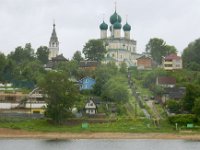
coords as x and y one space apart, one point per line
120 48
54 57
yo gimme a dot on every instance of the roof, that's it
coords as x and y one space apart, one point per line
50 64
166 80
86 78
59 58
144 57
172 57
88 63
175 93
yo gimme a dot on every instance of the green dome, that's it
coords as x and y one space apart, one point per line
115 17
117 25
126 27
103 26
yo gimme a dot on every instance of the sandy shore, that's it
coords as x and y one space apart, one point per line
10 133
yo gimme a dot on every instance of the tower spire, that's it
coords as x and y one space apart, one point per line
115 6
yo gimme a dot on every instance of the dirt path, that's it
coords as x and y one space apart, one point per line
10 133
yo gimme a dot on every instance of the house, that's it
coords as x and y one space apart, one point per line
36 95
86 83
172 62
175 93
88 65
144 62
54 61
90 107
166 81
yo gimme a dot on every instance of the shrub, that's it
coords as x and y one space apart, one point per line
183 119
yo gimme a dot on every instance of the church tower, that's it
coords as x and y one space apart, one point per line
53 44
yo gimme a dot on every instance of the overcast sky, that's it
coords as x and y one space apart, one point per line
77 21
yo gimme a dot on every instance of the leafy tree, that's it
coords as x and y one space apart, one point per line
77 56
62 94
103 73
94 50
174 106
115 90
158 48
123 68
2 64
22 55
196 108
42 54
192 92
191 55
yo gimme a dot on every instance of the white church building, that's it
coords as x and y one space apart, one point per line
120 48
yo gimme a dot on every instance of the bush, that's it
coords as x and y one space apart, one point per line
183 119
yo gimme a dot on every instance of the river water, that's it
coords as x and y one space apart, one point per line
91 144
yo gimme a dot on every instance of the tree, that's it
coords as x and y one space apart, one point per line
42 54
158 48
191 55
123 68
192 92
196 108
62 94
103 73
173 106
22 55
94 50
2 64
77 56
115 89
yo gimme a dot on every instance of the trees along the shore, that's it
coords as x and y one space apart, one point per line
62 94
94 50
191 55
42 54
158 48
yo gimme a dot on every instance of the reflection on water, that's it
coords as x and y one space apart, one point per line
90 144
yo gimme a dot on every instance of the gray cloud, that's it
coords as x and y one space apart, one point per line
77 21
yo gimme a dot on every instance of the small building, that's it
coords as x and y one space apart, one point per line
175 93
172 62
164 81
54 61
87 83
88 65
90 107
144 63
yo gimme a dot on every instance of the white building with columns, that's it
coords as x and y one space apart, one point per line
119 48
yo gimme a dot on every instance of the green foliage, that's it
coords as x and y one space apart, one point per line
42 54
116 89
94 50
174 106
2 64
183 119
196 108
191 56
77 56
158 48
123 68
62 94
192 92
22 55
103 73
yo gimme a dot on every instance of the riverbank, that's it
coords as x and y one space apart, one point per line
12 133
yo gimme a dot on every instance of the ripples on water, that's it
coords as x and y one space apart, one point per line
91 144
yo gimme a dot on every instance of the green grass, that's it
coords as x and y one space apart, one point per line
121 125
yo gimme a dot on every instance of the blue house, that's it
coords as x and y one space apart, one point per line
87 83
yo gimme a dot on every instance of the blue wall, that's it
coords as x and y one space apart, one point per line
86 83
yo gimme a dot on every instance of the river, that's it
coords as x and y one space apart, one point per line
91 144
